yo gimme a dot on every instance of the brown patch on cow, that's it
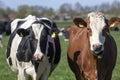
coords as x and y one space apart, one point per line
84 59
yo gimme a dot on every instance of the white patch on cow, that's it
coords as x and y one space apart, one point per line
96 74
13 51
15 22
37 29
29 22
97 23
44 18
28 69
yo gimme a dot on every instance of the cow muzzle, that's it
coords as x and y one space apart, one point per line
97 50
38 57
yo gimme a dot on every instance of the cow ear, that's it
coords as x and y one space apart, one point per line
22 32
114 21
80 22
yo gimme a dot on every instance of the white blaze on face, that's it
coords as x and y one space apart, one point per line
37 29
97 23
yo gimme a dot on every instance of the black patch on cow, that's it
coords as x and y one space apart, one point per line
57 50
24 52
50 52
11 38
51 24
76 54
36 64
22 32
46 22
27 47
20 23
74 67
10 61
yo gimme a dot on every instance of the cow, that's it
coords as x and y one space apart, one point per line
33 49
92 50
4 29
64 32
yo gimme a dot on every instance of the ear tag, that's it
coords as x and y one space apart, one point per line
112 25
81 26
53 35
21 35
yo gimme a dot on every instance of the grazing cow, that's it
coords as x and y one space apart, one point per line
33 49
92 50
4 28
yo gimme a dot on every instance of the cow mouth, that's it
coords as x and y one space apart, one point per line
98 54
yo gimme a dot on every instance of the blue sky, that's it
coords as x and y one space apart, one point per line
51 3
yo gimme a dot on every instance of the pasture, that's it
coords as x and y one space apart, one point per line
62 72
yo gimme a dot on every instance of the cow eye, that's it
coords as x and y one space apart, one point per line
89 31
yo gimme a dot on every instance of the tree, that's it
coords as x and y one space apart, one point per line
50 12
78 7
22 11
64 8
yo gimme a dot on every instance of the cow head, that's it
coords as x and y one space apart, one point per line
98 29
37 37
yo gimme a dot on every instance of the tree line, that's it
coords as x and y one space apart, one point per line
65 12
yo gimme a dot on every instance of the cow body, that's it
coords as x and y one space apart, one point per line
87 59
32 53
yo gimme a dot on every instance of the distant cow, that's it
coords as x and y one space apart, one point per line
64 32
33 49
92 50
4 28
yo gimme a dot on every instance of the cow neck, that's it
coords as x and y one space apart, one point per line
91 59
49 40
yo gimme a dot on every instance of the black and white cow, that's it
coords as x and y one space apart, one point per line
64 32
4 28
33 49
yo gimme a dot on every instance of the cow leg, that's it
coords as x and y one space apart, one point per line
21 71
21 75
31 71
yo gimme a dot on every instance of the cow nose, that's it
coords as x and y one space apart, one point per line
38 57
97 47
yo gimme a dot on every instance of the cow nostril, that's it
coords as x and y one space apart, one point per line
97 47
100 47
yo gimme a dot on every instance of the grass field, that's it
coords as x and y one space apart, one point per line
62 72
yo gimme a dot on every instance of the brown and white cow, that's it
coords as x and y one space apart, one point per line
92 50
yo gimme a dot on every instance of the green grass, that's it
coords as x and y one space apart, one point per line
62 72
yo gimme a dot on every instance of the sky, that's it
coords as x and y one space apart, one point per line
55 4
